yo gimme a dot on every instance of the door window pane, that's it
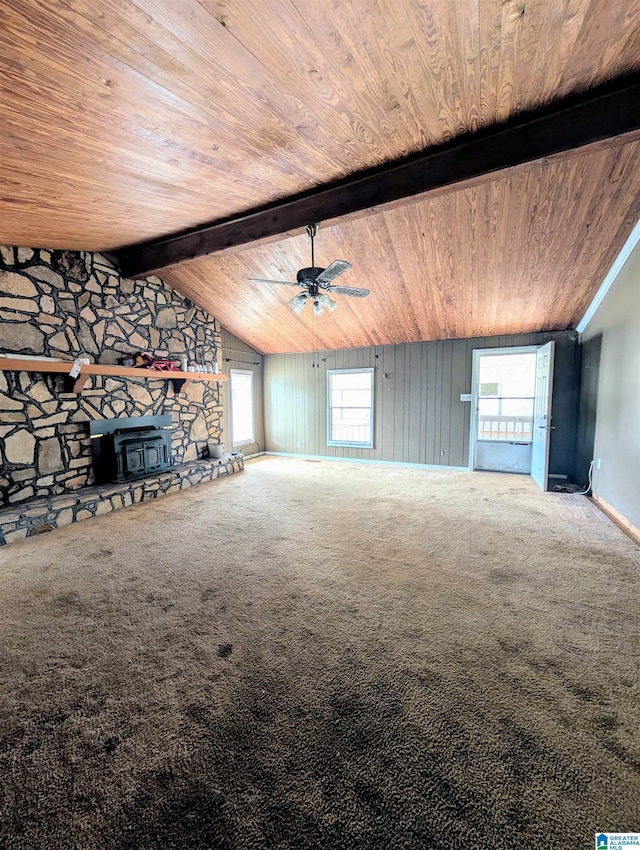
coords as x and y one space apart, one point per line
505 402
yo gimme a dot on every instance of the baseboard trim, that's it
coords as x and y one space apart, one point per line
368 460
617 518
255 454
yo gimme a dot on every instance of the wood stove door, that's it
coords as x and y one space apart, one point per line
155 455
140 456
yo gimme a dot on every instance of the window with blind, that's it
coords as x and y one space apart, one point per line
350 407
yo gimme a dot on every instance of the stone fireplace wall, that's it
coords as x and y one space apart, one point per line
67 304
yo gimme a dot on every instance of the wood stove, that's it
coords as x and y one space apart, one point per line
128 448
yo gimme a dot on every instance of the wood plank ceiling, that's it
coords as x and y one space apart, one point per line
125 120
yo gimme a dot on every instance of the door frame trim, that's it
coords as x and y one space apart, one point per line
543 480
475 374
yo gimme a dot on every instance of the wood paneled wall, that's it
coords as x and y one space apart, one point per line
236 354
419 417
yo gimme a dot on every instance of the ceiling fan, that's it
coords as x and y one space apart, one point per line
318 282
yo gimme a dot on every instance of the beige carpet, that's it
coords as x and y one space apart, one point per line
323 655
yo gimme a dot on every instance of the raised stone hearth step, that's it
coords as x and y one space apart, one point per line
40 515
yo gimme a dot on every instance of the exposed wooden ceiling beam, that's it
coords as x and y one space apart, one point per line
610 112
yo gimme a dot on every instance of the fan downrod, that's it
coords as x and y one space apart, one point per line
312 232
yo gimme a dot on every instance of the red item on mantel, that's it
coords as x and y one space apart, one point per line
160 364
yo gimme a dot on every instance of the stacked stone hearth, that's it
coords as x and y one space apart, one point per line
66 304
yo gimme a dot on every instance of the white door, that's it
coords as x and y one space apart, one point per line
542 416
503 388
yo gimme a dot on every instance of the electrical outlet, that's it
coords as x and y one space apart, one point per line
298 444
598 463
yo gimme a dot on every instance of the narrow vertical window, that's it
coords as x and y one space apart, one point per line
350 407
242 431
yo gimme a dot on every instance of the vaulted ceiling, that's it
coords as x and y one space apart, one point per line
127 120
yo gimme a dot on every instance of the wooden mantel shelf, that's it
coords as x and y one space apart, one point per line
63 367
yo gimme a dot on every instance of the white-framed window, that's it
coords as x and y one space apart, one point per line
350 407
241 390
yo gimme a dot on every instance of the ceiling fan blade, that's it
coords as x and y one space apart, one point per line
348 290
331 272
280 282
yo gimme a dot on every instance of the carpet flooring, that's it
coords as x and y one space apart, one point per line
323 655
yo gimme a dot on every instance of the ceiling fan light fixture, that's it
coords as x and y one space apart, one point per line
318 281
298 301
328 302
